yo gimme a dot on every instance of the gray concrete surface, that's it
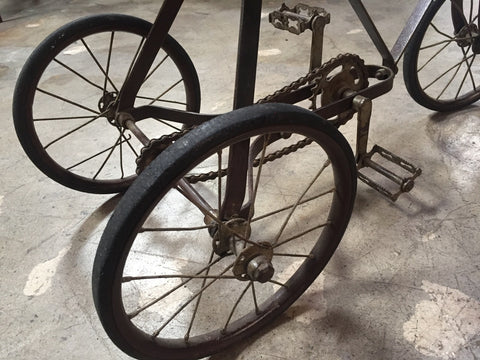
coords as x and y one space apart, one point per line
405 281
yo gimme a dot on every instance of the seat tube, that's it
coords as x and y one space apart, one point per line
243 96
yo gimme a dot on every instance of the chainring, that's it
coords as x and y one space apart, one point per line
343 74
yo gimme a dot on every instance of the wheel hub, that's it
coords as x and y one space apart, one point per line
255 263
469 36
107 106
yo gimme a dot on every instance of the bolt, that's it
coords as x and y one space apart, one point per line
260 269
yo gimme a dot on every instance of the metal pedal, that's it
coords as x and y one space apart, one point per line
300 18
405 183
297 19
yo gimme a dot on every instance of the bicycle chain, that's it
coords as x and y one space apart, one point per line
155 147
318 76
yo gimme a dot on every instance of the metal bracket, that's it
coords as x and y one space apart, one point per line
299 19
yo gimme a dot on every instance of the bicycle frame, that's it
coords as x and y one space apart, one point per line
245 86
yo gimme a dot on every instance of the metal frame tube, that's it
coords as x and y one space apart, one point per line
152 45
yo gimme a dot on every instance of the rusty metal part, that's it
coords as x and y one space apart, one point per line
363 106
385 80
255 263
316 76
300 18
107 106
385 77
297 19
412 23
225 235
126 120
358 71
155 147
347 74
374 34
212 175
405 183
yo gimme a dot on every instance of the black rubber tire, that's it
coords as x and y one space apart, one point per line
163 174
44 56
445 97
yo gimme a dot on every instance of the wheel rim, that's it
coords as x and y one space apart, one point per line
447 65
250 303
75 136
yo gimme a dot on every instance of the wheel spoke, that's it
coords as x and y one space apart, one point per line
71 132
236 305
294 255
160 298
68 101
433 57
134 59
188 302
122 171
98 64
165 92
441 32
301 234
107 70
117 142
442 42
127 279
457 65
78 74
161 100
176 128
255 301
197 303
257 179
92 157
467 72
219 180
155 68
63 118
294 207
127 140
291 206
469 69
144 229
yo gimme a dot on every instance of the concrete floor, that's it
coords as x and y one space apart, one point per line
404 283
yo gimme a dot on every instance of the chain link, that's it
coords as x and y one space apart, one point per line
315 76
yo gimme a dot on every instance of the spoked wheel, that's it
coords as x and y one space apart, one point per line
65 98
170 282
441 65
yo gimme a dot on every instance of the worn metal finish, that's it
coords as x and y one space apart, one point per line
333 89
153 43
349 76
254 263
300 18
155 147
375 36
407 32
363 106
243 96
405 184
